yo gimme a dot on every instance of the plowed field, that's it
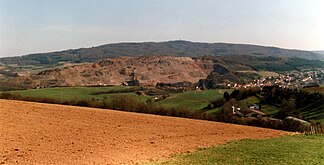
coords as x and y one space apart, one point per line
36 133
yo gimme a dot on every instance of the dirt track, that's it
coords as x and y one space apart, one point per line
35 133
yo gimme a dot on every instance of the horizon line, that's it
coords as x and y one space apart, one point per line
161 41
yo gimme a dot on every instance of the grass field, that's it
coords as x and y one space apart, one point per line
249 101
215 110
269 109
310 112
194 100
69 93
313 112
267 73
297 149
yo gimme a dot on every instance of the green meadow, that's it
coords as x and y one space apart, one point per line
69 93
191 100
296 149
194 100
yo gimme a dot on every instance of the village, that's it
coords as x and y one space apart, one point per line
288 79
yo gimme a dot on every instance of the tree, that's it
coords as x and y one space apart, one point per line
226 96
227 111
235 93
287 107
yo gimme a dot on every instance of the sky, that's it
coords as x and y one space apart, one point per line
34 26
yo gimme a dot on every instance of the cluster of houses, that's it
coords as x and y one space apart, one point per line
251 111
289 79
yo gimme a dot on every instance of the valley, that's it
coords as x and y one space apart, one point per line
161 82
211 87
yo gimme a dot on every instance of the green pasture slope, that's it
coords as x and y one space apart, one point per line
70 93
194 100
297 149
313 112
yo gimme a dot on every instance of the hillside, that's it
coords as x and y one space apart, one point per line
177 48
209 71
35 133
299 149
146 71
320 53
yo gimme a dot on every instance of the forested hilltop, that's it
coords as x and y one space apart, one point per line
178 48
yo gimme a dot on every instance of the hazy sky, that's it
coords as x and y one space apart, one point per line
29 26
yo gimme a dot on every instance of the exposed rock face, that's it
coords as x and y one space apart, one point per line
220 69
210 72
225 70
146 70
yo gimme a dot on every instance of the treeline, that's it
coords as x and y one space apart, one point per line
13 85
278 64
288 124
290 103
159 92
301 63
237 94
126 103
122 102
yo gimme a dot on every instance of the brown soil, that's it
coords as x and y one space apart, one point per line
147 70
35 133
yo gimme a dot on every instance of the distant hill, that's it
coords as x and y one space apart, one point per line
177 48
241 68
209 71
319 52
144 70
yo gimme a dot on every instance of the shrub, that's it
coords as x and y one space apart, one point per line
11 96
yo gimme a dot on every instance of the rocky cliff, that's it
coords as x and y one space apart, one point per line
146 70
